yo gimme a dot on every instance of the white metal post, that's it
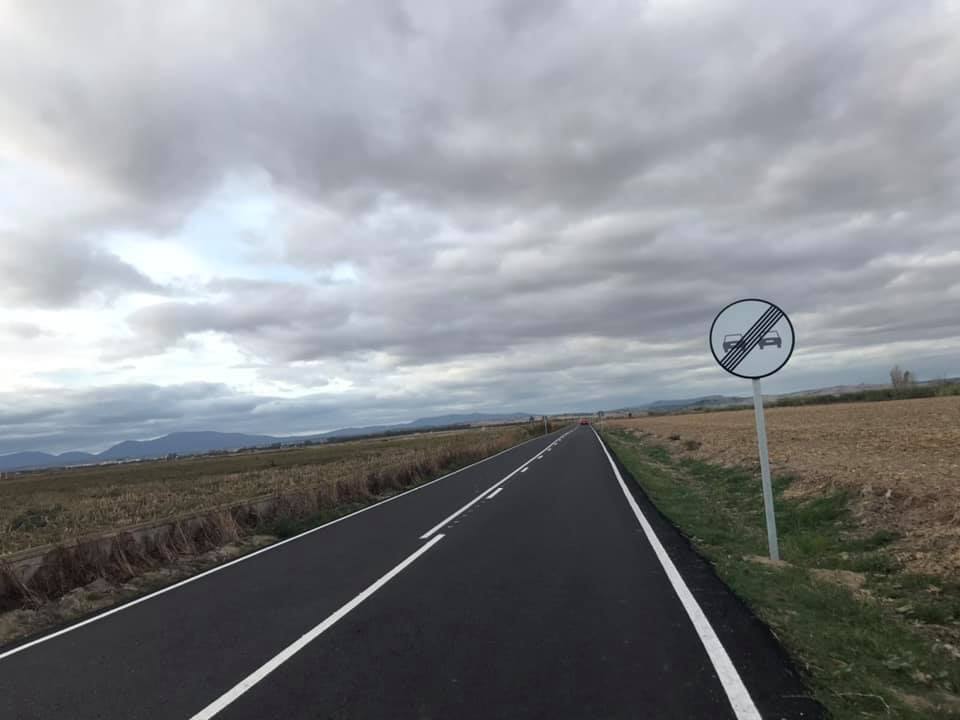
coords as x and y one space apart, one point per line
765 472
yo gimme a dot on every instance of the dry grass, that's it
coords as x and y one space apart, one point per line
36 616
900 460
54 507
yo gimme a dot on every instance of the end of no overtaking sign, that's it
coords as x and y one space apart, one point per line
754 339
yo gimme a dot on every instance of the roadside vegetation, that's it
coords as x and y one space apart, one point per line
872 639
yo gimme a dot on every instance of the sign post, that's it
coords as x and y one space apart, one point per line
754 339
772 542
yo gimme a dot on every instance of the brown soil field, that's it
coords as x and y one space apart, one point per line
900 460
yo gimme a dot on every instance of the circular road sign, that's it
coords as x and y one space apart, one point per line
751 338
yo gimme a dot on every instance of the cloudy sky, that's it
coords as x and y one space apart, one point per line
289 216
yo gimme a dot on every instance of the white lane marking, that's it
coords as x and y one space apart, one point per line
736 691
276 661
276 545
525 469
477 499
496 492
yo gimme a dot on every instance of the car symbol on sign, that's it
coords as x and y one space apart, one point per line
732 341
771 338
736 341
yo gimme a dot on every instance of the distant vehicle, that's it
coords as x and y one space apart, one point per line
771 338
733 341
584 421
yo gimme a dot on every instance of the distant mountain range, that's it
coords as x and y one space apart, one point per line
690 403
197 443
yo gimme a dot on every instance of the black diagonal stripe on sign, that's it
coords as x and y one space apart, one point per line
748 345
751 338
741 348
733 356
768 326
756 334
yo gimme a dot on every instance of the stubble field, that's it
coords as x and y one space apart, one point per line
56 506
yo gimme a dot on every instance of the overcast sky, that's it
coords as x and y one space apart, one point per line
290 216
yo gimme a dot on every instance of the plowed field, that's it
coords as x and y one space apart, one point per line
899 459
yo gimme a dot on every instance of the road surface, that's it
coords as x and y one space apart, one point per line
536 584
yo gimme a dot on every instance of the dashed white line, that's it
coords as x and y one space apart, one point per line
255 677
470 504
524 470
496 492
477 499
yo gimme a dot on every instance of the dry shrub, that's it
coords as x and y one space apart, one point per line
127 558
15 592
64 569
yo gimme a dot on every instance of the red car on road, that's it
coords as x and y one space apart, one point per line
584 421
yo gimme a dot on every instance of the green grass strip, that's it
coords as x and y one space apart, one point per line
872 640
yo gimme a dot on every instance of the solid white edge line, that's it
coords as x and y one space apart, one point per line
234 693
477 499
218 568
496 492
737 693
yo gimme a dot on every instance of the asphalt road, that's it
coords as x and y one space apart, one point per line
536 584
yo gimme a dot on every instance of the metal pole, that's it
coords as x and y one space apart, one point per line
765 472
545 431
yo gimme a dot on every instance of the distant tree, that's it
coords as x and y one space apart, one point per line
900 378
532 419
629 414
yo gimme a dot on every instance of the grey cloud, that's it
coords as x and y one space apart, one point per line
63 420
505 177
268 312
54 272
93 419
23 330
660 288
465 110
